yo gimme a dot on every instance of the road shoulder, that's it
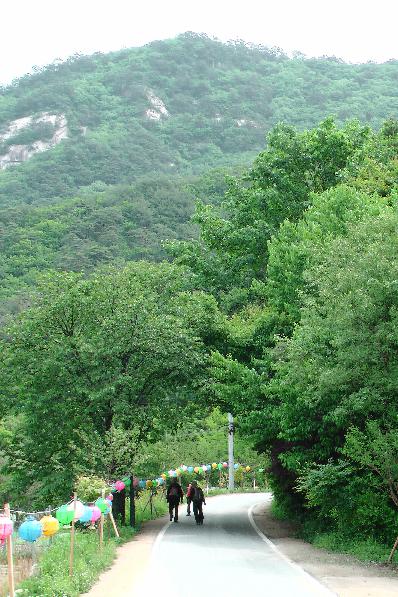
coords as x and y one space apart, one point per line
342 574
130 564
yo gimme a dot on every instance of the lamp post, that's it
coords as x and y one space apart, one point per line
231 430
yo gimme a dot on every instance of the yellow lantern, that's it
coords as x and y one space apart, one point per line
248 469
178 471
164 476
214 465
148 484
50 525
196 469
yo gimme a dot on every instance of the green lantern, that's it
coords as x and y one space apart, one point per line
101 504
154 483
200 470
126 481
219 466
64 516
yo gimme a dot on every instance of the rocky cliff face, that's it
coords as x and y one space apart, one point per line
17 152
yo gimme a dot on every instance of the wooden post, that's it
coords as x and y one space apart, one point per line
114 524
392 551
72 536
102 524
132 502
10 560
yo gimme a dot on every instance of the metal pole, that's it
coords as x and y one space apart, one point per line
132 502
231 429
10 558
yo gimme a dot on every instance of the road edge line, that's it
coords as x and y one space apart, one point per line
315 582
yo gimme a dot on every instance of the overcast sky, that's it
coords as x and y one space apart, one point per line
35 32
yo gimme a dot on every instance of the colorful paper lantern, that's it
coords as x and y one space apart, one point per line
101 504
141 483
190 469
160 481
126 481
219 466
164 476
6 528
154 483
76 509
225 464
200 470
63 515
236 466
109 497
214 466
196 469
148 484
50 525
87 514
171 473
95 513
248 469
184 468
136 482
204 468
178 471
119 485
30 530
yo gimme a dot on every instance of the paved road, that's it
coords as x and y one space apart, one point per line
226 557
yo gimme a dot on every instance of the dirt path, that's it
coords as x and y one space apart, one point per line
340 573
130 564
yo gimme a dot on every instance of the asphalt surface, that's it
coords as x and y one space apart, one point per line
226 557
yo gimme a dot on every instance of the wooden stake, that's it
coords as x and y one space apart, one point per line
10 560
72 537
392 551
114 524
102 525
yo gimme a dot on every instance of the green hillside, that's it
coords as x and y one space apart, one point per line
132 136
218 102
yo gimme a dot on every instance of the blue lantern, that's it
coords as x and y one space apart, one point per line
190 469
30 530
87 514
236 466
142 484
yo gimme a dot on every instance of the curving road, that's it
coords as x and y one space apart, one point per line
226 557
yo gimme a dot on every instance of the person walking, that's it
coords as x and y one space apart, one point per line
174 496
198 499
189 499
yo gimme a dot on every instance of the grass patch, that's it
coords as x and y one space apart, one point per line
52 576
365 550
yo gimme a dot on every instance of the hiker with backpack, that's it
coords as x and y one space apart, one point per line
198 499
174 496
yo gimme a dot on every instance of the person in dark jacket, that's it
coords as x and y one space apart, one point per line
198 499
174 496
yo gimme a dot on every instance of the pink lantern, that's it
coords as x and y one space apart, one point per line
109 497
225 464
136 482
96 514
119 485
6 528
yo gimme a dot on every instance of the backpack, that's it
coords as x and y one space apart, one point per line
173 491
197 494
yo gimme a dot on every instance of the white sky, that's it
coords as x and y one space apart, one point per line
35 32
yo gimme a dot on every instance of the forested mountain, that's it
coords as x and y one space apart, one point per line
100 155
176 106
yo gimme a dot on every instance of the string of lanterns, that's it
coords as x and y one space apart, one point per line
76 511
